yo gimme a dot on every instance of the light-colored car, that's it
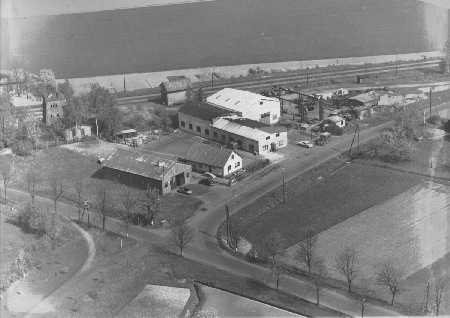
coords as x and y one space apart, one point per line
184 190
305 143
209 175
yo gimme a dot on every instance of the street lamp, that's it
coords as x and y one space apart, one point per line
362 307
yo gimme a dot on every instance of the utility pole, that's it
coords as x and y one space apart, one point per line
307 76
362 307
284 194
212 78
358 135
396 62
430 101
124 87
428 293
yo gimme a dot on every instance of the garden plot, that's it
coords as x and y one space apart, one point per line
157 301
410 230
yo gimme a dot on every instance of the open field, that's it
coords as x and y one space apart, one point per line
409 230
323 205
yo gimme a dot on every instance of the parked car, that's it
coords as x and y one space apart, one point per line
185 190
207 182
305 143
209 175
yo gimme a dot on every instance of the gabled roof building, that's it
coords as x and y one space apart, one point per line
247 105
219 161
141 169
175 92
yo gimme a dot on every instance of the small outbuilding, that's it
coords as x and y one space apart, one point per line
77 132
142 169
334 121
366 99
175 92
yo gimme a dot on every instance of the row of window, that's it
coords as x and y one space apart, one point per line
142 180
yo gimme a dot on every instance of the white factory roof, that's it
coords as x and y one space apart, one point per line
335 119
237 100
238 129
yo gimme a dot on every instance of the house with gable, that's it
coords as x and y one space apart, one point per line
175 92
219 161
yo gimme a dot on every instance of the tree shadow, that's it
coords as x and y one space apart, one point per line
98 174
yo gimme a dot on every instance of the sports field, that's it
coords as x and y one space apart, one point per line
219 33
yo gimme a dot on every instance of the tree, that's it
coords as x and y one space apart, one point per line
446 52
347 264
207 313
66 89
17 73
102 106
76 110
102 200
273 243
320 276
128 200
55 182
277 270
78 186
33 178
7 118
439 293
307 250
391 277
6 169
151 202
181 234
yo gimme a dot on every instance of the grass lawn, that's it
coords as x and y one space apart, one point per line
345 193
164 268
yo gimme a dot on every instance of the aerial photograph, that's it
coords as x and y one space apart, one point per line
224 158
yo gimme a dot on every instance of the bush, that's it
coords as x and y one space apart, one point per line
446 126
22 148
334 130
434 119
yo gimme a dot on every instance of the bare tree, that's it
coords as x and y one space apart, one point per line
6 168
102 200
78 186
307 250
151 202
55 182
181 234
273 243
347 264
33 178
439 293
277 270
391 277
320 276
128 200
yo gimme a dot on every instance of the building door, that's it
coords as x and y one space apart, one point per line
180 179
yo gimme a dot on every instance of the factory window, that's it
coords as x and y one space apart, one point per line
215 134
231 139
268 137
229 167
237 164
232 156
199 129
183 124
207 132
266 147
223 137
274 116
278 135
280 142
190 126
251 147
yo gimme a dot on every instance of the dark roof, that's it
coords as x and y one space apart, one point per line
210 155
54 97
138 163
260 126
203 111
176 86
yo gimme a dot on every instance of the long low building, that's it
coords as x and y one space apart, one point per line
222 126
140 169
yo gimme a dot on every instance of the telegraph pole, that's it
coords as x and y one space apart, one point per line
124 88
430 101
212 78
307 75
428 292
396 62
284 195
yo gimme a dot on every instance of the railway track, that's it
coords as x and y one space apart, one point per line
286 79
